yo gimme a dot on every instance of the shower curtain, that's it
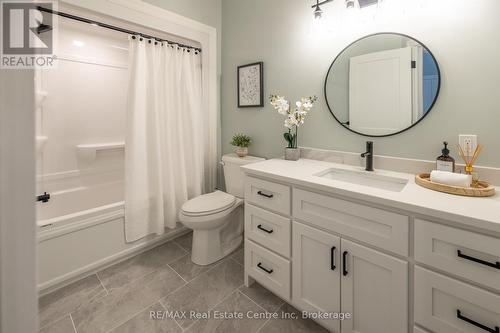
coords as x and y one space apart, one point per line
167 139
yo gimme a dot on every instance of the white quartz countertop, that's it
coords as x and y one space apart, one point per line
481 213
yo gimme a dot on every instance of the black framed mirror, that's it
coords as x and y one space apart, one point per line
382 84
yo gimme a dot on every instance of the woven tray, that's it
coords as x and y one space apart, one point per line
482 189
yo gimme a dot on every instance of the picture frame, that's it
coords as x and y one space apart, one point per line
251 85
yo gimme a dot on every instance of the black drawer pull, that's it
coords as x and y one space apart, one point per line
344 263
268 271
264 229
475 323
269 196
479 261
332 258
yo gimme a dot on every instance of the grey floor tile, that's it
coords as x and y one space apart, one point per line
107 312
187 269
236 303
263 297
239 256
64 325
62 302
185 241
206 290
144 323
287 325
119 275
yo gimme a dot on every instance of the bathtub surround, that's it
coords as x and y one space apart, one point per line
87 195
459 33
167 144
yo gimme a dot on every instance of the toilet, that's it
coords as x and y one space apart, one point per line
217 218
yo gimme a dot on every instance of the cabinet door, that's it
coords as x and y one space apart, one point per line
316 272
374 290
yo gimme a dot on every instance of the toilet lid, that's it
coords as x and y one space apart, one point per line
209 203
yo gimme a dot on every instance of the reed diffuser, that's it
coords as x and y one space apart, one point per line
469 162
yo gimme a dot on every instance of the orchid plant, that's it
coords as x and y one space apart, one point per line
294 117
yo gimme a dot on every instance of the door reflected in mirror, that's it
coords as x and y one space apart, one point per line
382 84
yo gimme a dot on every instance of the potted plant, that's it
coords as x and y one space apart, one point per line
241 142
294 118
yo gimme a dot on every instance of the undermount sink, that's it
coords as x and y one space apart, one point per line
365 178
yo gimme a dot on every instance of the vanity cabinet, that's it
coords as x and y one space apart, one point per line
374 289
316 270
326 253
331 274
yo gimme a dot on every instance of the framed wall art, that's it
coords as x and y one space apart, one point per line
251 85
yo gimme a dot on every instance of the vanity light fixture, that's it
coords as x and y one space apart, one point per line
317 9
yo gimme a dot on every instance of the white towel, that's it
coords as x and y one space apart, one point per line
450 178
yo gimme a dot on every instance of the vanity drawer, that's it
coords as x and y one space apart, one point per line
473 256
374 226
267 194
445 305
268 229
269 269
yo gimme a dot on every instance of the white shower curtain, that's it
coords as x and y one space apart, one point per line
167 140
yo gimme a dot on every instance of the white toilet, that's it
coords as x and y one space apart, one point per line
217 218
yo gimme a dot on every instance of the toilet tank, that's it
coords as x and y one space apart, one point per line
233 175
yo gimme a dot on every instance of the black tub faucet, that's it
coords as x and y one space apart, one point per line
369 156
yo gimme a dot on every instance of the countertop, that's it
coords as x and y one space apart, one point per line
481 213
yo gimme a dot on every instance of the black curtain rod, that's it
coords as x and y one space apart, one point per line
111 27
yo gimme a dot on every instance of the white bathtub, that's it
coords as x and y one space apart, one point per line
81 231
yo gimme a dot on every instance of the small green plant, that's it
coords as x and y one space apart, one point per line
241 140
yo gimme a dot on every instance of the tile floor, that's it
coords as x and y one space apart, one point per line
119 299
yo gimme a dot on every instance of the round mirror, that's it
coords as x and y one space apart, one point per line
382 84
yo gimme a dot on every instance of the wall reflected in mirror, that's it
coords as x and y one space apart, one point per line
382 84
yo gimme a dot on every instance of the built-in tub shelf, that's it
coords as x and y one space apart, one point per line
40 143
89 151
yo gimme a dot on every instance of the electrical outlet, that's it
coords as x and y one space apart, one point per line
468 142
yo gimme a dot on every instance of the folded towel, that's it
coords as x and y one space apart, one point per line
450 178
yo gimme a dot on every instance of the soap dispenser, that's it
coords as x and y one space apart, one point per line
445 162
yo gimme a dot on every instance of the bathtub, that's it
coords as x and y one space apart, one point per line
81 231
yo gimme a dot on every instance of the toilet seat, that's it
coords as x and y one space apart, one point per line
208 204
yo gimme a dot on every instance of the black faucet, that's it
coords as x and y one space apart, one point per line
369 156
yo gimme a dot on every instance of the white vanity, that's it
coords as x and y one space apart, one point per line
331 238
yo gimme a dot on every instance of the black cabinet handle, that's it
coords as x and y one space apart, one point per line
479 261
475 323
344 263
264 229
332 258
269 196
268 271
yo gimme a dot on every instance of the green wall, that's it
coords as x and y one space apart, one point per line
462 34
208 12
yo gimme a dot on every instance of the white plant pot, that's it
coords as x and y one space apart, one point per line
292 154
241 151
